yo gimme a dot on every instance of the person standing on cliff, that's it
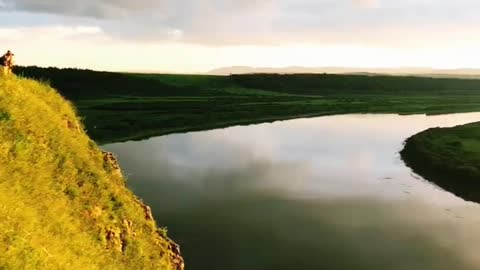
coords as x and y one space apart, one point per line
6 62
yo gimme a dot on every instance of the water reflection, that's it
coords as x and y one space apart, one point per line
321 193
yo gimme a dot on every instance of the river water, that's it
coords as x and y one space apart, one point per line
320 193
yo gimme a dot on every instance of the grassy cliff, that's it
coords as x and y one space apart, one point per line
449 157
63 202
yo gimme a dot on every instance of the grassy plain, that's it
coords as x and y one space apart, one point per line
119 106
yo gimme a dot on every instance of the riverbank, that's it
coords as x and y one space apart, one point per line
118 106
448 157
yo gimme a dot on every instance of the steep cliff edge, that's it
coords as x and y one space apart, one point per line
63 202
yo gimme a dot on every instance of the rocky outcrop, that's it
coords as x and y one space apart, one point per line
175 255
114 239
117 238
148 212
110 163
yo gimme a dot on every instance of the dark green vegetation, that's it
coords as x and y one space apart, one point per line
449 157
64 203
118 106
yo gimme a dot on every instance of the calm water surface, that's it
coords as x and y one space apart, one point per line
321 193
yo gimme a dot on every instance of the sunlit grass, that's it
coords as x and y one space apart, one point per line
59 198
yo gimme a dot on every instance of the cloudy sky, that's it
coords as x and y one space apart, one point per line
199 35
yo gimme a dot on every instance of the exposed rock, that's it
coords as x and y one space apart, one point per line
146 209
179 262
128 233
148 212
118 238
114 241
175 254
74 125
110 163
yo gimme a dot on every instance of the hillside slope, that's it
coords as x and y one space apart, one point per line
63 202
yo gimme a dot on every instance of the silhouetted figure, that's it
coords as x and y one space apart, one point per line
7 61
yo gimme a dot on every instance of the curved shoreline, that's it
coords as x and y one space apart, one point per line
447 157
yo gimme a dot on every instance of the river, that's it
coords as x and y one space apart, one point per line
319 193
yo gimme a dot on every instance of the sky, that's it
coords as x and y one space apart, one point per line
192 36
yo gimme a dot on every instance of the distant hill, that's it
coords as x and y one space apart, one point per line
427 72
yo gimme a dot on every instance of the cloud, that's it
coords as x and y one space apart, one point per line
89 8
268 22
115 9
51 32
175 33
366 3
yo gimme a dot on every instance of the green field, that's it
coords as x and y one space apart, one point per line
118 107
449 157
